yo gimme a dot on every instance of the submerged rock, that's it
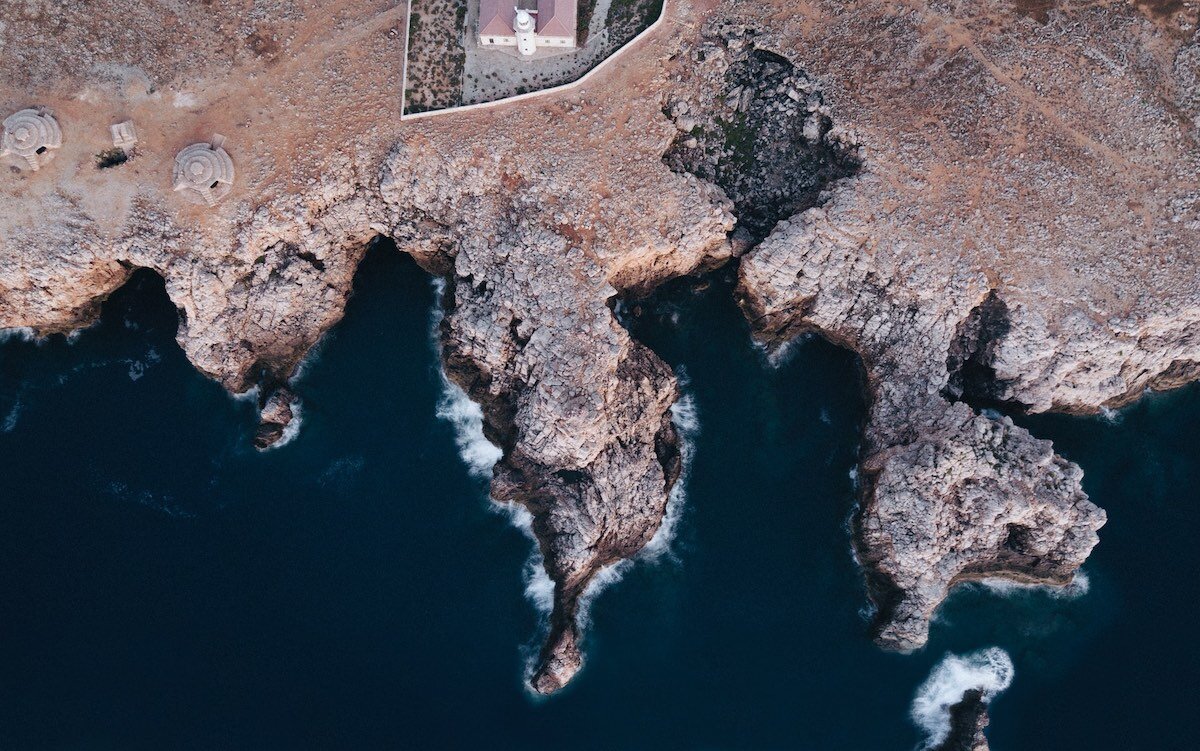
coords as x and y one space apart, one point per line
968 720
274 418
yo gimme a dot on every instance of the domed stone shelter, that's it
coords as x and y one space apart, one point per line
31 134
204 172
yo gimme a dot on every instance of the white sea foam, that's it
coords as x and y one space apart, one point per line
539 587
1111 416
21 333
340 472
10 420
291 430
455 407
686 419
480 455
466 417
164 504
782 354
1078 587
310 358
988 670
249 395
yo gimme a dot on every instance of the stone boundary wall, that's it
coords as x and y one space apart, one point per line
519 97
404 62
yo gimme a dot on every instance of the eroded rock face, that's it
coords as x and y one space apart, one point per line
534 263
276 413
960 291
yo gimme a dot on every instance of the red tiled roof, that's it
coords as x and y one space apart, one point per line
554 17
496 17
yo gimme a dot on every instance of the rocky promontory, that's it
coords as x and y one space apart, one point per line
997 211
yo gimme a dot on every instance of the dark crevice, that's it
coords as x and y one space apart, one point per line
572 476
763 138
515 331
111 158
311 259
972 377
1017 538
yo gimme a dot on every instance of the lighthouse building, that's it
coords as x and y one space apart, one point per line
527 25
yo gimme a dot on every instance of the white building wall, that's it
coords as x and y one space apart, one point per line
511 41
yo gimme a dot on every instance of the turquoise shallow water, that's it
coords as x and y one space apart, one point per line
166 586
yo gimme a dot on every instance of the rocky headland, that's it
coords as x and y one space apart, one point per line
997 208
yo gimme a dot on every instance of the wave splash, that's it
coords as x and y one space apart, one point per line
9 423
1078 587
455 407
466 418
18 333
292 429
988 670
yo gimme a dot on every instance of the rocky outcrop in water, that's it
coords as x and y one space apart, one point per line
968 720
961 292
581 410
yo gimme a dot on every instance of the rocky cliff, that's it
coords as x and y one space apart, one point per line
1027 242
994 209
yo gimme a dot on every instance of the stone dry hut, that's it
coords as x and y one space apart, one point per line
991 206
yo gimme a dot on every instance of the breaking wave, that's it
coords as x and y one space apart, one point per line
779 355
686 419
1111 416
18 333
455 407
10 419
1078 587
249 395
480 455
466 417
291 430
539 587
988 670
311 357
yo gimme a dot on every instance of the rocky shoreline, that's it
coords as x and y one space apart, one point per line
940 201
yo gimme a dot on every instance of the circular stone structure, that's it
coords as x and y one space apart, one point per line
203 173
32 135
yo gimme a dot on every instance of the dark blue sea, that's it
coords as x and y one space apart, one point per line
165 586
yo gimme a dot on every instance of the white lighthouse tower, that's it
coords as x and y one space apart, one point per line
524 26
